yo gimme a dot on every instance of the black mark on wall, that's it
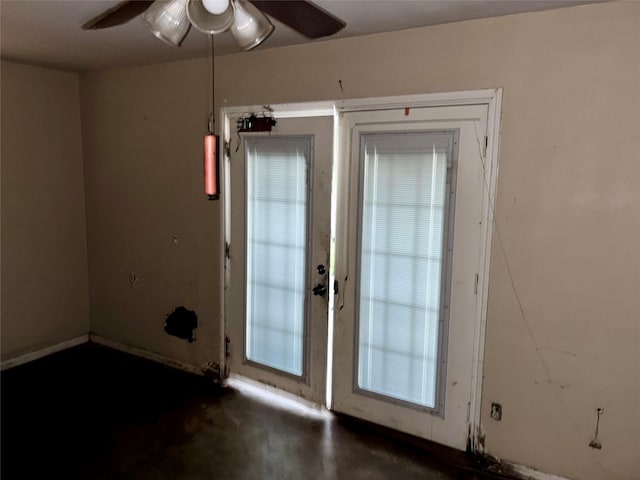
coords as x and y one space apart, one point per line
181 323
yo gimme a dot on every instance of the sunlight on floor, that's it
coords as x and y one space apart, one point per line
278 398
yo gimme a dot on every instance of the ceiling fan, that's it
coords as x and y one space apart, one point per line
170 20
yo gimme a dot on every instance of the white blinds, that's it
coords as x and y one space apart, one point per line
277 171
403 213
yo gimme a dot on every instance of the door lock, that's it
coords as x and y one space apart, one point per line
320 290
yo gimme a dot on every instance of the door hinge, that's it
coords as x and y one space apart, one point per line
227 150
475 286
227 347
227 250
486 145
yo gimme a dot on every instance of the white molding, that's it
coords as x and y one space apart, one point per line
326 108
443 99
494 115
43 352
140 352
225 234
527 473
283 110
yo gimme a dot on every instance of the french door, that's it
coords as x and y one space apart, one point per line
411 195
410 253
278 288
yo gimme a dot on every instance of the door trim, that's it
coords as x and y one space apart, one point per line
492 98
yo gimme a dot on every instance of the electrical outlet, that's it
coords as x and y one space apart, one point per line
496 411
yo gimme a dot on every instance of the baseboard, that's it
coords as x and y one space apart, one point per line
43 352
140 352
527 473
509 469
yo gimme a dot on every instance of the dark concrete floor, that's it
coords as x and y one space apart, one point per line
94 413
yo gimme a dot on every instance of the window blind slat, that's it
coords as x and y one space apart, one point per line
403 208
277 171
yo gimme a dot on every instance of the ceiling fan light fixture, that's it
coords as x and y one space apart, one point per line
205 21
250 26
168 20
216 7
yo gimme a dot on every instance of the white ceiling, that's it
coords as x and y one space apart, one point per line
49 32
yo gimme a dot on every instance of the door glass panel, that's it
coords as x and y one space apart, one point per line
277 174
404 212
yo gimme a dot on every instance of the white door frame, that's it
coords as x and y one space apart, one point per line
492 98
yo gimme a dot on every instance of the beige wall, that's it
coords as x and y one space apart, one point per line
44 253
568 208
142 136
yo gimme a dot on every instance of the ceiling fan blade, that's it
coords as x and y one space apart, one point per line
121 13
303 16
